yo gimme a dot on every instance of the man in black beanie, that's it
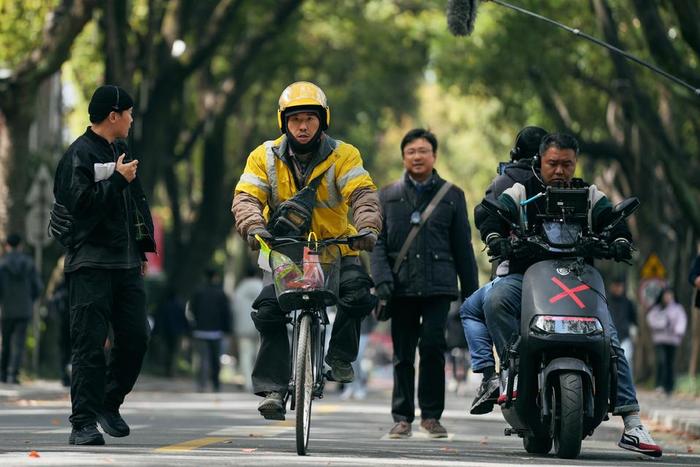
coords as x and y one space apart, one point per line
110 231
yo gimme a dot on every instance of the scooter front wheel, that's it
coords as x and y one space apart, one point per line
568 421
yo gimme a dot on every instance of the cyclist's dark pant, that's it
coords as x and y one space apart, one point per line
272 365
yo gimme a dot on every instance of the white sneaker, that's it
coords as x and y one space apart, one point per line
638 439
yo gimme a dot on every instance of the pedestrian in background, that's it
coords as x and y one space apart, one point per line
211 313
694 279
457 351
247 290
110 230
59 306
667 322
624 315
20 286
358 388
169 327
424 246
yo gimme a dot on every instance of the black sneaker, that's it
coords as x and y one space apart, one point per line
341 371
272 407
486 396
86 435
113 424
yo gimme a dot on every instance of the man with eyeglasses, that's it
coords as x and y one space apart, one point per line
426 229
107 233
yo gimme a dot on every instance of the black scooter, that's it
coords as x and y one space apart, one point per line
559 380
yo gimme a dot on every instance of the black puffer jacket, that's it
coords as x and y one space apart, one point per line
441 252
104 211
20 285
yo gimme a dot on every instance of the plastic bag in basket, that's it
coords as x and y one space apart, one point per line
284 271
313 269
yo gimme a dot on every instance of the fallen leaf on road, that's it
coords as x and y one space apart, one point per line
249 449
34 454
448 449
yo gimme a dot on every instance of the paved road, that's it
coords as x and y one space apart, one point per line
225 429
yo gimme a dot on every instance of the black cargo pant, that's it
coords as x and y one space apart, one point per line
421 322
98 298
272 368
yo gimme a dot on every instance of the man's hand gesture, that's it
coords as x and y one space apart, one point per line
128 170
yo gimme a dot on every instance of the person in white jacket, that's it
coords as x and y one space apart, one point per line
667 322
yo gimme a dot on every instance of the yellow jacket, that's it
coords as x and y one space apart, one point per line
270 180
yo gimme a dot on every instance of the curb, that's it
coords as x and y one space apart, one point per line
684 422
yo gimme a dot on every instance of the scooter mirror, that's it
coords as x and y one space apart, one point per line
626 207
495 208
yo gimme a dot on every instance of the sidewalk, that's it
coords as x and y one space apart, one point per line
678 414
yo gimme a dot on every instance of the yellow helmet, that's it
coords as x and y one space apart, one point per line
303 94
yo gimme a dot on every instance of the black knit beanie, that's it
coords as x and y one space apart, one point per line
106 99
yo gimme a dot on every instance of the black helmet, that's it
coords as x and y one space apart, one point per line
527 143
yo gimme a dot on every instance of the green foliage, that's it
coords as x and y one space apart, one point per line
20 28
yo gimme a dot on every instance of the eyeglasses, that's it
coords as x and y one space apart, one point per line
419 151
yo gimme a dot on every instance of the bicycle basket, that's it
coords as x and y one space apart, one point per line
305 277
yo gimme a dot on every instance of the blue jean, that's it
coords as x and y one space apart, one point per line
502 313
474 324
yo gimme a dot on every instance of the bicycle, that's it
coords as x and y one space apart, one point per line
306 277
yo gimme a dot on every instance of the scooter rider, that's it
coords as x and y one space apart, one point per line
558 154
306 180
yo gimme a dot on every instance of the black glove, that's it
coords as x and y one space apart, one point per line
499 247
621 250
384 291
253 242
366 242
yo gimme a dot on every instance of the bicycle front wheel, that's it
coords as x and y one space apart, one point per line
303 384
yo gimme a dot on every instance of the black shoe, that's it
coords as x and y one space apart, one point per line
272 407
486 396
113 424
340 371
86 435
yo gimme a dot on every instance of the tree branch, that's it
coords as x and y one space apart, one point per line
688 15
63 26
661 48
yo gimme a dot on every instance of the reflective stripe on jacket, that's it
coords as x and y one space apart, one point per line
268 178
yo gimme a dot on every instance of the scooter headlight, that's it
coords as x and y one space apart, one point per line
544 324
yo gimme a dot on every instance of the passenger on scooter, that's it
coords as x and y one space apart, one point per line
519 170
558 153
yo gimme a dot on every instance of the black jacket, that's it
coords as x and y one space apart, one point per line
515 172
440 253
211 310
624 314
602 215
105 212
694 271
20 285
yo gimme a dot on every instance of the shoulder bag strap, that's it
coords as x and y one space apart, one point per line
424 217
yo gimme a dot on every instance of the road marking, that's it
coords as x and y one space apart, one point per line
192 444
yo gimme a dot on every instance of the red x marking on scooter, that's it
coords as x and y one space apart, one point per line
567 292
